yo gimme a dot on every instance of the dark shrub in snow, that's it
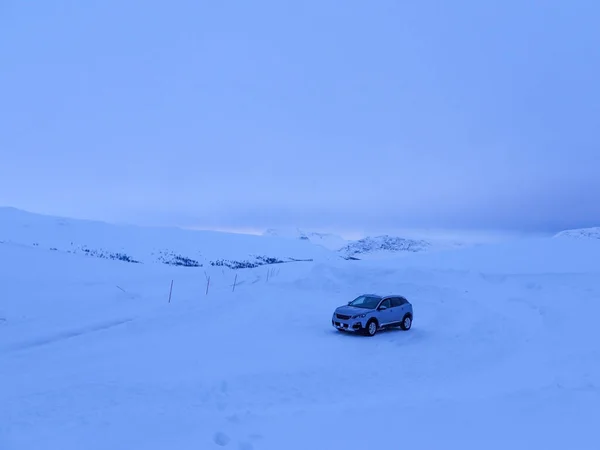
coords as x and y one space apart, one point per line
178 260
258 261
108 255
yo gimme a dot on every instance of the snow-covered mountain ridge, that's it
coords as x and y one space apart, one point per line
196 248
580 233
384 243
190 248
136 244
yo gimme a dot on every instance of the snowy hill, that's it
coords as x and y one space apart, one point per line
96 354
580 233
134 244
383 244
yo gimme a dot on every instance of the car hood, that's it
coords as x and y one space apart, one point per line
351 310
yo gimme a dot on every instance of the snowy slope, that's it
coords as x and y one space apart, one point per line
150 244
503 353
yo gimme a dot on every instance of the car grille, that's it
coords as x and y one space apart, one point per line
342 317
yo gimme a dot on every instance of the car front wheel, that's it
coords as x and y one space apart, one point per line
371 328
406 323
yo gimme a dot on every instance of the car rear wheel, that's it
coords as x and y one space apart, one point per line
406 322
371 328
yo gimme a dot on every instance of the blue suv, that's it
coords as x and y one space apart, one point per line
370 313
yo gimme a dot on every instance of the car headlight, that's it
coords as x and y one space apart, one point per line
359 316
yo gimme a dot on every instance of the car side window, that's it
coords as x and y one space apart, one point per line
396 302
386 303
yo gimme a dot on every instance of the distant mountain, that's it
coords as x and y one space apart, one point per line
327 240
378 244
372 246
580 233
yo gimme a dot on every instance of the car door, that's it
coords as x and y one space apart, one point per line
397 309
385 315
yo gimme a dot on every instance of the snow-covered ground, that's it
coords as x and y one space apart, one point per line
504 352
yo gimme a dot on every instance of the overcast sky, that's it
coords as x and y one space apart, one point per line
342 115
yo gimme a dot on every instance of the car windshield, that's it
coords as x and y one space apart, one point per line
365 301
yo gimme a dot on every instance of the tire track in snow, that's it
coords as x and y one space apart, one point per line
61 336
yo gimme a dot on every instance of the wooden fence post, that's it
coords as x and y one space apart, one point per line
234 282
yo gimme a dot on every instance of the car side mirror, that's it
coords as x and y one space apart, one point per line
382 307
